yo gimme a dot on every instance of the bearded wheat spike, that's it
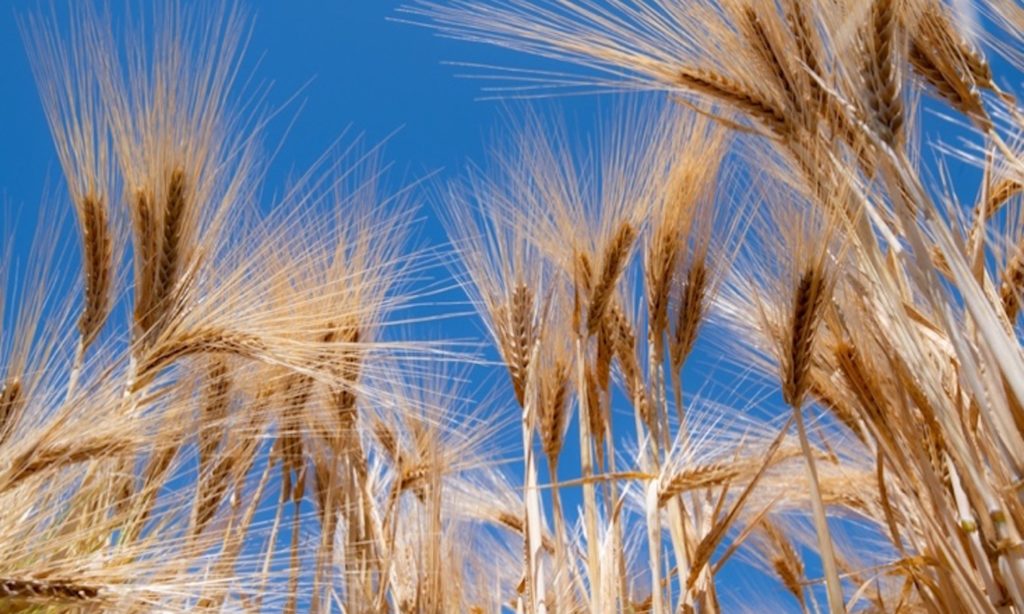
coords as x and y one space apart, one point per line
691 312
616 254
772 56
213 411
213 485
1012 285
863 383
212 340
785 560
388 441
735 94
660 266
881 71
625 345
98 263
805 34
973 61
147 258
693 478
12 400
49 591
934 54
516 333
1000 194
52 457
175 211
808 299
584 272
554 410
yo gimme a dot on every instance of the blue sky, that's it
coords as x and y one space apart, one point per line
350 68
333 68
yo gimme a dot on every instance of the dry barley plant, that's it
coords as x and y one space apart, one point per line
221 418
224 416
875 295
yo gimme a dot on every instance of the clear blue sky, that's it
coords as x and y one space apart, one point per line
331 65
355 68
368 73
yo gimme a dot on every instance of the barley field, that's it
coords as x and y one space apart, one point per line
746 338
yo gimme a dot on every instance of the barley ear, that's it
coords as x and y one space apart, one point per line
514 328
737 95
784 559
554 410
808 301
49 592
1012 286
691 312
616 254
12 400
97 264
175 210
881 72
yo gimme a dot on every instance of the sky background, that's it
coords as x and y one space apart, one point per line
349 67
333 66
335 69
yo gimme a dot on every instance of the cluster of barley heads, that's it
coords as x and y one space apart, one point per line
883 301
228 411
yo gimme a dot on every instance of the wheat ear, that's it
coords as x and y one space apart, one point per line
614 261
736 95
97 262
881 72
1012 285
12 400
807 307
49 592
